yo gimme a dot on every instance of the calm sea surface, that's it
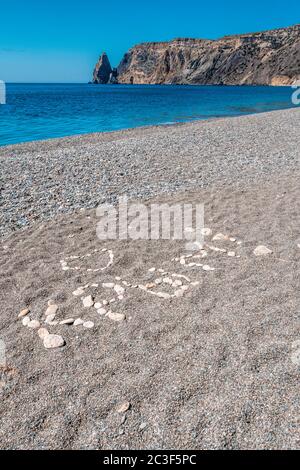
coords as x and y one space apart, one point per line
42 111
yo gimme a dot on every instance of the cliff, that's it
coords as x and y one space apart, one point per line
266 58
103 70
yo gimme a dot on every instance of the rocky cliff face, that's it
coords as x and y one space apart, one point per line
103 70
267 58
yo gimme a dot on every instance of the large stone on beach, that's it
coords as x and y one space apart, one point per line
124 407
53 341
78 292
89 325
68 321
51 310
262 250
88 301
24 313
34 324
43 332
25 321
118 317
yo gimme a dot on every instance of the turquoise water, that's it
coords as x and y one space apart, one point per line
42 111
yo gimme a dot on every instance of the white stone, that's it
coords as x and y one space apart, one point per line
68 321
158 281
53 341
231 254
25 321
179 293
117 317
124 407
168 280
88 301
34 324
207 268
50 318
184 288
262 250
24 313
105 302
163 295
78 322
42 332
220 236
152 270
195 283
78 292
51 310
102 311
177 283
150 285
119 289
143 426
89 325
98 305
108 285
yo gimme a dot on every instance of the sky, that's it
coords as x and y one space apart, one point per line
60 41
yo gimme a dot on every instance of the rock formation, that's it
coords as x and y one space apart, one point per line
102 71
266 58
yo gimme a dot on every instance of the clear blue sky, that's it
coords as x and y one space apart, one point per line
60 41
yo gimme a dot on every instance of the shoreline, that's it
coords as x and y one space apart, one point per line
42 179
146 127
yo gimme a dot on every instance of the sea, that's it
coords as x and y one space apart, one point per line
45 111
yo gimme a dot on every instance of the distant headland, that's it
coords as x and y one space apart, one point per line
265 58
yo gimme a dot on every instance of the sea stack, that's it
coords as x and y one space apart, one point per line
102 71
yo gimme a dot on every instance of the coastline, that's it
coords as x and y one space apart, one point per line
142 127
110 116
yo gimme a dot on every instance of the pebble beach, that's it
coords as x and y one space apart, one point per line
165 349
